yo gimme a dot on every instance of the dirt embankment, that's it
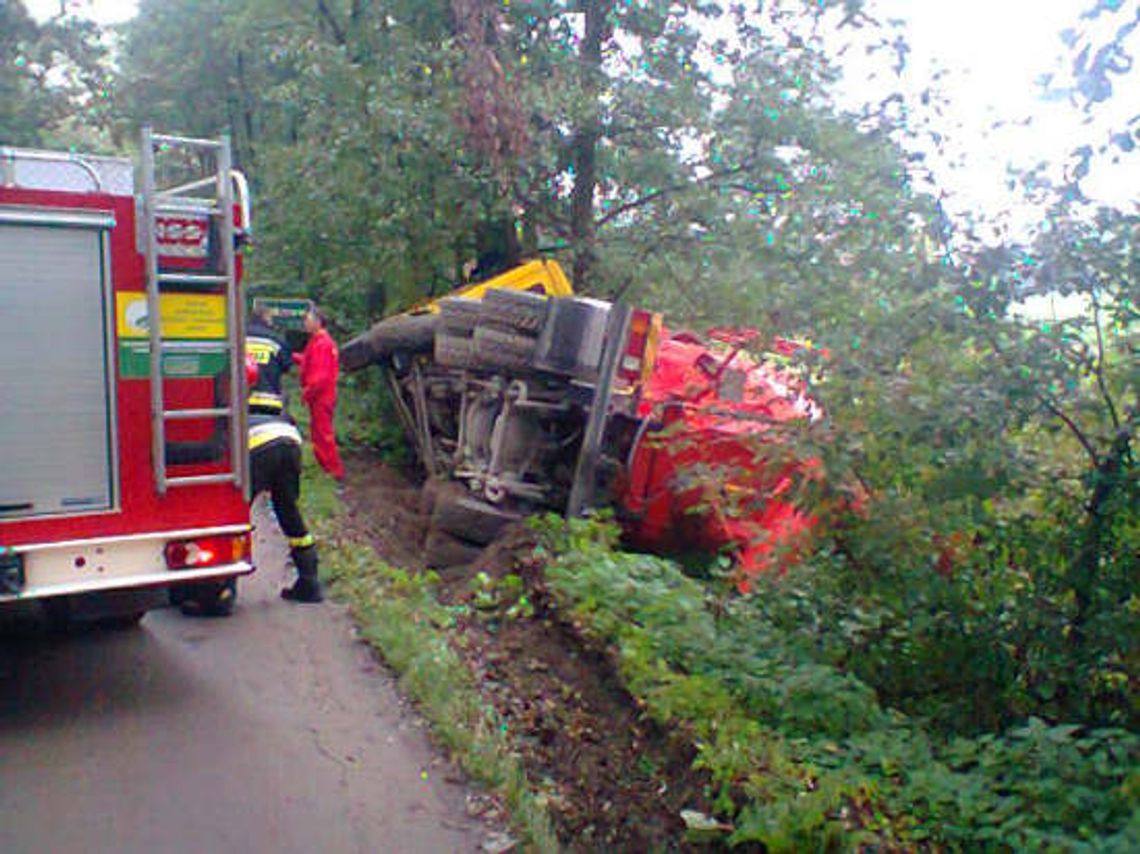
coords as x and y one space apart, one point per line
611 777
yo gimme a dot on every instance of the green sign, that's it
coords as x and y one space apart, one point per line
284 314
208 361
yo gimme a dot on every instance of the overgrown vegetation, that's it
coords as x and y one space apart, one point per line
399 616
804 740
959 659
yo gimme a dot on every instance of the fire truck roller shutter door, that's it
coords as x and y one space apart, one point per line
57 388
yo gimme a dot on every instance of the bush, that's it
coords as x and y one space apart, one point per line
804 749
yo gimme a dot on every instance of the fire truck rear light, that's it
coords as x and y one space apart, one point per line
640 348
207 552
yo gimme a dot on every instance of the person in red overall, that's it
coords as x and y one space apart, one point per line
319 368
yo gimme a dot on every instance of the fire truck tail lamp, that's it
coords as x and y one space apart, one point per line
207 551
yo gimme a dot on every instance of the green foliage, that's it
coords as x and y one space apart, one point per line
366 418
55 84
805 755
980 516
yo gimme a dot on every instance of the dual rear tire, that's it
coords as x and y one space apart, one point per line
460 526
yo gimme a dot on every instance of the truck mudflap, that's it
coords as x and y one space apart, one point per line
96 566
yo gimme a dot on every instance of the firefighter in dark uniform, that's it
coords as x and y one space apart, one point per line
275 449
273 358
275 467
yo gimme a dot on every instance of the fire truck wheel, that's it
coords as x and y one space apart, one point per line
57 614
469 518
121 622
428 493
64 613
458 315
215 599
514 310
456 351
501 349
443 551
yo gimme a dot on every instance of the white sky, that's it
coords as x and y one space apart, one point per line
103 11
993 50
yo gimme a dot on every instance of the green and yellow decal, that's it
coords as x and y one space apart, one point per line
198 321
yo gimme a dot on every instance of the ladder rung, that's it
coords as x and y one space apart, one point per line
205 207
187 414
185 140
195 480
193 279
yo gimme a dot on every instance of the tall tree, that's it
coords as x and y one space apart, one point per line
54 80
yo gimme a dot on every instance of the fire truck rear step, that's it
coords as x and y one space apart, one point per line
190 414
199 479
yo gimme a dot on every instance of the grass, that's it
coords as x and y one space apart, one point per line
398 614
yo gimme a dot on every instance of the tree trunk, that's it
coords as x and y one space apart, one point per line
1084 572
585 145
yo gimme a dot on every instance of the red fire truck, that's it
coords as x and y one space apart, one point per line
123 435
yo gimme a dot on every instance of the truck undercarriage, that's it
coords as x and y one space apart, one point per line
523 402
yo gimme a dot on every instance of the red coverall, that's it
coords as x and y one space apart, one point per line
320 367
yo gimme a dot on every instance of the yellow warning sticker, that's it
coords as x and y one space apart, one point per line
185 316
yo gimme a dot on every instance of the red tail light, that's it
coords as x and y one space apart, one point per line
640 348
207 551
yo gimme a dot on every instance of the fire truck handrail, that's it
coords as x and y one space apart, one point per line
12 154
203 479
170 196
193 414
193 278
186 204
190 141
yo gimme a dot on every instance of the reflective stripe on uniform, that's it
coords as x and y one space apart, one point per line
262 349
301 542
266 400
261 434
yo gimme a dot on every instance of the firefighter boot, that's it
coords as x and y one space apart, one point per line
307 587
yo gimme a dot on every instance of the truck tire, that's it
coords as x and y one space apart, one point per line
428 494
57 614
514 310
502 349
121 622
470 518
444 551
212 599
408 333
455 351
111 611
459 315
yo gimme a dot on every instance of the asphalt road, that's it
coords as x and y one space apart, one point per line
272 730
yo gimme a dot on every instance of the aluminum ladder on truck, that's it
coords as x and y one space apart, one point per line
212 197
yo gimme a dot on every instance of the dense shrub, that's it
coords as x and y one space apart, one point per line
804 749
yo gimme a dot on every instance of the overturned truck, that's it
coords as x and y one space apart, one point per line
520 397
